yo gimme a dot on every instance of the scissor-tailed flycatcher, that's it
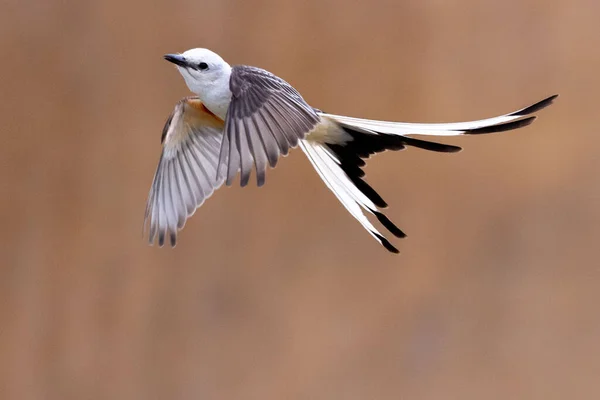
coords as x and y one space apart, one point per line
244 117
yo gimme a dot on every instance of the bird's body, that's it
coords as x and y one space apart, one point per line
244 117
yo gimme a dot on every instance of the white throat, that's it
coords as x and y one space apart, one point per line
213 92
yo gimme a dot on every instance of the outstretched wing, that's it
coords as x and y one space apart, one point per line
266 117
187 169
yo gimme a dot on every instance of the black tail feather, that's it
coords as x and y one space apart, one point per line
351 156
386 243
385 221
432 146
353 153
507 126
368 191
535 107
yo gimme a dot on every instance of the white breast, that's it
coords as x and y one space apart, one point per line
212 87
216 98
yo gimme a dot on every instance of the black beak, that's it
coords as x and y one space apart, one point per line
176 59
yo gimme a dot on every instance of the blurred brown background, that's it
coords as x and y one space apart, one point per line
278 293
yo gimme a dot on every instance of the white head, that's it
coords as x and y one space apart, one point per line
201 69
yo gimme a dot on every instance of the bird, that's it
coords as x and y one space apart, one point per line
243 118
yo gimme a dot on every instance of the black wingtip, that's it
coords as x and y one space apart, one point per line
244 179
389 225
536 107
388 246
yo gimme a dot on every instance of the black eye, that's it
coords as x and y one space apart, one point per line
203 66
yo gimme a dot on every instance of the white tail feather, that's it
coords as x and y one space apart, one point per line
441 129
338 182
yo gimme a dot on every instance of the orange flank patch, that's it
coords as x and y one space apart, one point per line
202 115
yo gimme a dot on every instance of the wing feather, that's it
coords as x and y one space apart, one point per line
262 107
186 173
269 143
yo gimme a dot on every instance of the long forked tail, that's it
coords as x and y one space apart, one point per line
506 122
340 164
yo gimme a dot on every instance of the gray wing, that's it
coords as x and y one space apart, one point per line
187 170
266 117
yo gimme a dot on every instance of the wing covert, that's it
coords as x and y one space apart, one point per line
266 117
